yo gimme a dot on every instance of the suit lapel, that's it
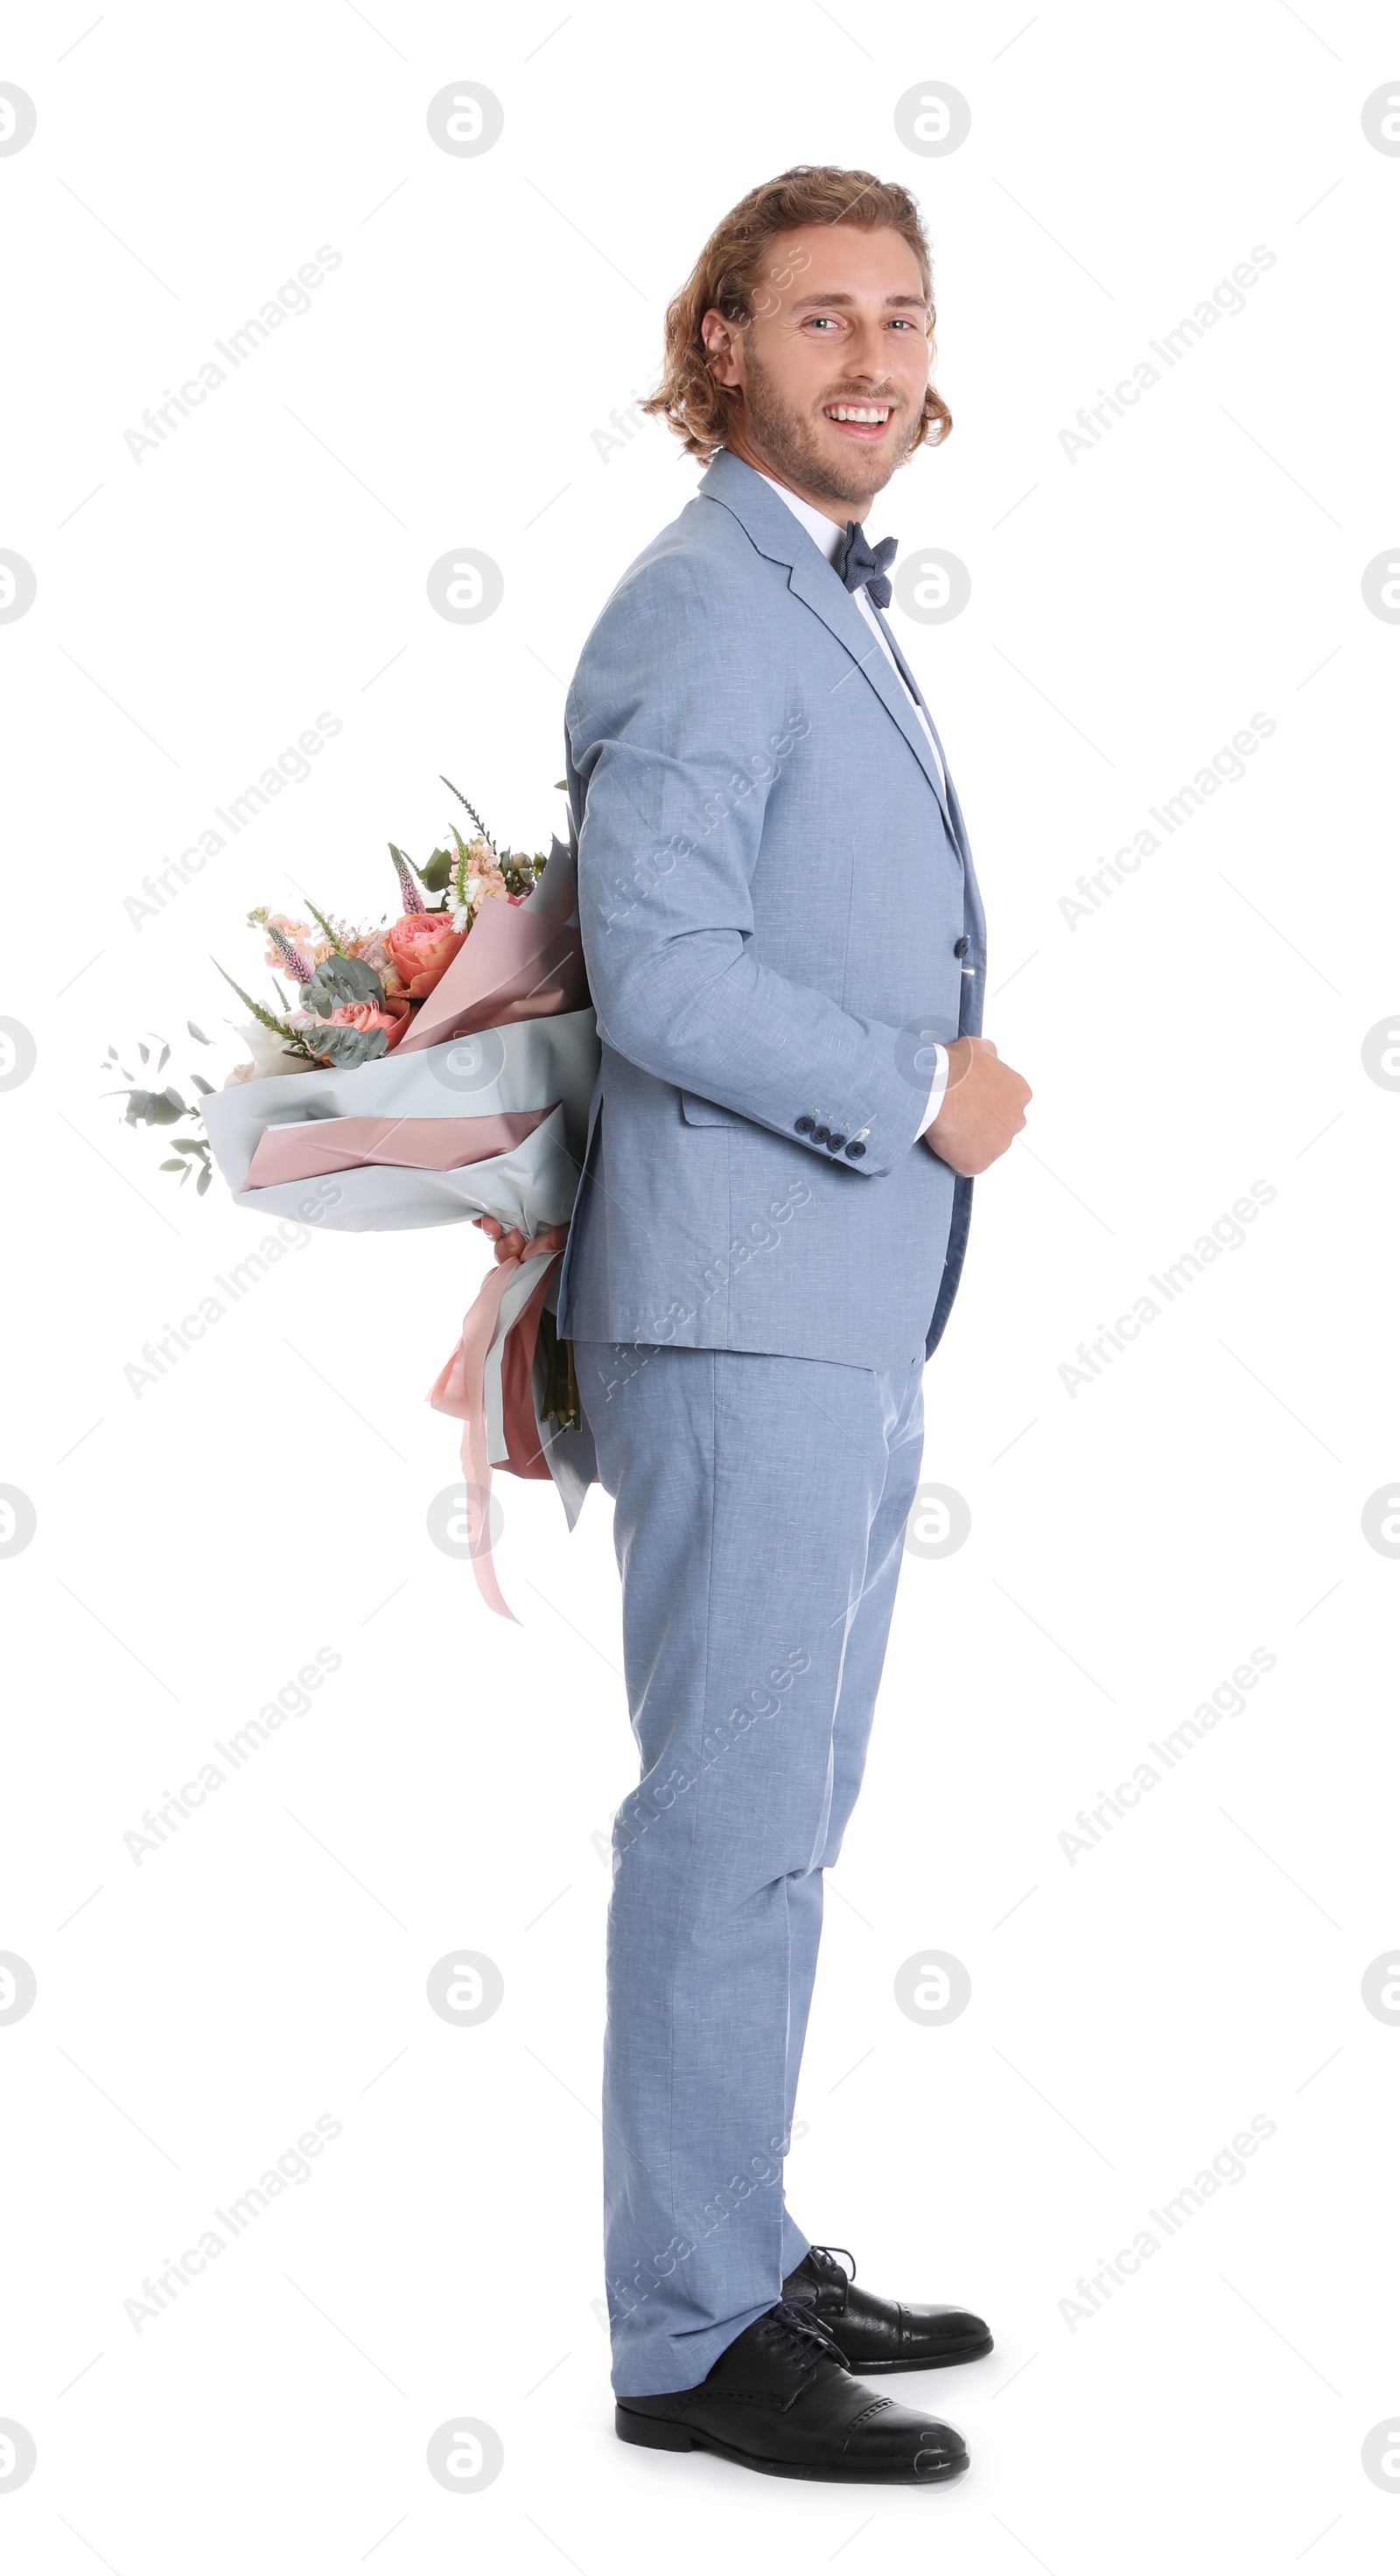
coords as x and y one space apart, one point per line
771 527
951 808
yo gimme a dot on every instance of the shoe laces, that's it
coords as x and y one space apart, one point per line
823 2258
798 2332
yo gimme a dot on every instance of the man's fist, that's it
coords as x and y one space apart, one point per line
982 1110
510 1245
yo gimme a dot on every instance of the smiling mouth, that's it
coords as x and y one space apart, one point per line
866 421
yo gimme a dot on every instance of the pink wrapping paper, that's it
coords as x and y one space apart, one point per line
515 964
320 1145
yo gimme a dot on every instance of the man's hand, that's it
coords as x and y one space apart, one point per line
509 1246
982 1110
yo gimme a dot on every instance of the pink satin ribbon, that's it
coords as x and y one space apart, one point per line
460 1389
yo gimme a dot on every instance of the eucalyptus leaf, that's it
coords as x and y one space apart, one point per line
198 1080
174 1166
202 1184
137 1103
144 1053
347 1049
198 1033
339 980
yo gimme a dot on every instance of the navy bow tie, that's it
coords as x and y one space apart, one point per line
863 566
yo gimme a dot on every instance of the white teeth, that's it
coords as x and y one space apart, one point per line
858 411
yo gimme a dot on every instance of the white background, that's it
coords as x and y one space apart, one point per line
1131 1543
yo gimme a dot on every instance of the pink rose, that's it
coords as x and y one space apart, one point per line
421 948
366 1016
361 1016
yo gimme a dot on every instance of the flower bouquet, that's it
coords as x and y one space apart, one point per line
436 1069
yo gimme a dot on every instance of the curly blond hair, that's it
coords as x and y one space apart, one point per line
728 277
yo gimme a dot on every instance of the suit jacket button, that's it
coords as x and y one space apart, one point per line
961 946
804 1126
836 1143
855 1149
821 1135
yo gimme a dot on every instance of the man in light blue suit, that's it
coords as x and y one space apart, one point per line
786 950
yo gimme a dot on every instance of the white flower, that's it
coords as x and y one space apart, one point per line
267 1048
462 917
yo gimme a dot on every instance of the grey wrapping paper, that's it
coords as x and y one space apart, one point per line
527 1065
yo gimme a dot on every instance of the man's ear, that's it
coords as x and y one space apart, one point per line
718 336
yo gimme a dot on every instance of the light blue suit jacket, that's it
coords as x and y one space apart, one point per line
778 908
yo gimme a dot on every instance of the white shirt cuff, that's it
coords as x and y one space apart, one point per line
940 1085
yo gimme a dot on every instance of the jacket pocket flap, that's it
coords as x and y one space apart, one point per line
705 1113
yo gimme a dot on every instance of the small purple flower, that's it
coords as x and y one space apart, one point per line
412 899
299 968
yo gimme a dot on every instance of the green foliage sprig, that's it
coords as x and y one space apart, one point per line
165 1108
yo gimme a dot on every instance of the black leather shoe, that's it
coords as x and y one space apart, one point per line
781 2400
878 2334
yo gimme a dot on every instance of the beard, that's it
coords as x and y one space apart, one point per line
788 439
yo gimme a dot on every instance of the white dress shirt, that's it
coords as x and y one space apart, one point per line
826 534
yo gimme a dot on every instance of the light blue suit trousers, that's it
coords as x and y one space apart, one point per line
760 1508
